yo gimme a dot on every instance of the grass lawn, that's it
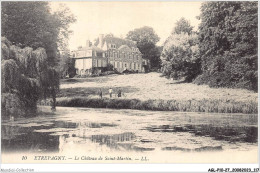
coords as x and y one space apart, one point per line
151 88
145 86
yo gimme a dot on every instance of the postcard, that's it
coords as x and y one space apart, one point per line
160 82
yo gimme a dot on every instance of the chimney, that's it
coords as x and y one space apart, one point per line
87 43
101 37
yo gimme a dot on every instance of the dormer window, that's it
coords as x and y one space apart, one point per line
134 49
113 46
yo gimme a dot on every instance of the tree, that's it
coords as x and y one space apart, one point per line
180 57
180 53
96 40
182 25
146 40
26 77
228 44
143 35
29 61
32 24
66 65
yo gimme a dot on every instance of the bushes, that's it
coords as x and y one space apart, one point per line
205 105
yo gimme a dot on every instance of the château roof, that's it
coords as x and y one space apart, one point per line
124 47
91 48
119 42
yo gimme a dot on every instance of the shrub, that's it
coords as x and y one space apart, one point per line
205 105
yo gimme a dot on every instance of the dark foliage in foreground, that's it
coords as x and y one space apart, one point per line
223 53
228 44
26 78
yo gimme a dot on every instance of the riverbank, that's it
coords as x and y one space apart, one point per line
151 92
216 106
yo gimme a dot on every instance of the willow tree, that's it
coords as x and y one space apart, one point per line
28 64
26 77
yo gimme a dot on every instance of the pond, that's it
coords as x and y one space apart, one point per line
109 131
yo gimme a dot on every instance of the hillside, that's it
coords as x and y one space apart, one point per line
150 86
151 92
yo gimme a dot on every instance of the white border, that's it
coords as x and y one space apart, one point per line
128 167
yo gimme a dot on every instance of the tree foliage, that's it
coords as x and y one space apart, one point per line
66 65
146 40
182 26
180 57
228 44
30 47
26 77
32 24
143 35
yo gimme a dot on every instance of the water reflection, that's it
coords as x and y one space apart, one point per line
200 149
112 140
228 133
42 138
105 131
24 139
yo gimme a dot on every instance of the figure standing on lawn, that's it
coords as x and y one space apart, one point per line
100 93
119 94
110 92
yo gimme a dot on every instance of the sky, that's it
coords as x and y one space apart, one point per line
118 18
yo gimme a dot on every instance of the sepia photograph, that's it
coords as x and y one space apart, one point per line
159 82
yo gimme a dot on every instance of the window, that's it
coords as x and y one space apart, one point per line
99 54
99 63
104 63
113 46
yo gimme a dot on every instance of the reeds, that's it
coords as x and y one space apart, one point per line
205 105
